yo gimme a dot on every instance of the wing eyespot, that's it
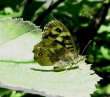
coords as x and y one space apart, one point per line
58 30
39 54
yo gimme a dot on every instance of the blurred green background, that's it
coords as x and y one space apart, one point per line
86 19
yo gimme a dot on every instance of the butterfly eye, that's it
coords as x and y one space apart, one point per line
58 30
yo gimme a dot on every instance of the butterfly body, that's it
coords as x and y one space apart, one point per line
57 47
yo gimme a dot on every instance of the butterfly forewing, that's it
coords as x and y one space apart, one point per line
58 32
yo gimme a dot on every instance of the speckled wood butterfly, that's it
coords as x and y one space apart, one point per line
57 47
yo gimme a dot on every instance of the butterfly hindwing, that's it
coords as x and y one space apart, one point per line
47 53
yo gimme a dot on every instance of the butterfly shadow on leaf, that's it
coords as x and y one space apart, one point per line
60 70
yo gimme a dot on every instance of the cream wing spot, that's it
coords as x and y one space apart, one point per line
60 39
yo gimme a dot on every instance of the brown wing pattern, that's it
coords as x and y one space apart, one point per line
59 33
56 47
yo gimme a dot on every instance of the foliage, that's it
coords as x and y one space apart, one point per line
18 69
86 19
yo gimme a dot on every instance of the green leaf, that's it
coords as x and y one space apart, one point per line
104 28
18 38
105 52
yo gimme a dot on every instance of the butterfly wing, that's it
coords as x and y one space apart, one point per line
47 53
56 47
58 32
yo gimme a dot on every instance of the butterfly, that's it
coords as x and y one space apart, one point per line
57 47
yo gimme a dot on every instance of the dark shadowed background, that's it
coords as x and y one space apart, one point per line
86 19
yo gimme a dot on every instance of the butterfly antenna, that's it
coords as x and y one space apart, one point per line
86 46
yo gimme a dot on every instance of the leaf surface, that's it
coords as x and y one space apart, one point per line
17 39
